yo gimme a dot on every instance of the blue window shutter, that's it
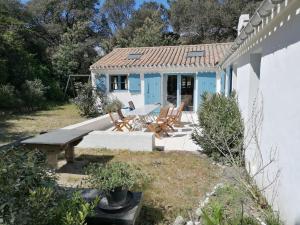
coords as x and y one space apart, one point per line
229 76
134 83
101 83
206 84
223 74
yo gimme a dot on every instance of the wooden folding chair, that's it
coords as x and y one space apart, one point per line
160 126
126 120
174 117
119 124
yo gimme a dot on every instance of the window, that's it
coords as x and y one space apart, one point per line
195 54
118 82
134 55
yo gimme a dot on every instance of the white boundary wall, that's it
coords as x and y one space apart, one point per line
278 101
133 141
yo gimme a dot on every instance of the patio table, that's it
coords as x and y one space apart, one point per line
56 141
143 113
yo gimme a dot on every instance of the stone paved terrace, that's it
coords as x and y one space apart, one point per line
179 140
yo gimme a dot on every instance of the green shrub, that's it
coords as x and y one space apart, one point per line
216 216
74 210
54 92
220 130
113 105
21 172
114 175
29 193
8 98
33 94
89 100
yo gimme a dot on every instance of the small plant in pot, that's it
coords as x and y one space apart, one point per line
114 180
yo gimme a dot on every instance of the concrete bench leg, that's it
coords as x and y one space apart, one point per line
69 154
52 159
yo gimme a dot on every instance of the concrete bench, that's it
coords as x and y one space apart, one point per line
133 141
98 123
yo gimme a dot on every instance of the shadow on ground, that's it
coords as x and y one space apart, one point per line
80 163
10 131
150 215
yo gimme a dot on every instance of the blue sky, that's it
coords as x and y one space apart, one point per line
138 2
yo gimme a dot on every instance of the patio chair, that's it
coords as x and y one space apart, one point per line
119 124
174 116
126 119
160 126
131 105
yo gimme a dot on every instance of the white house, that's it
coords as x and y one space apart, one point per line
165 74
262 67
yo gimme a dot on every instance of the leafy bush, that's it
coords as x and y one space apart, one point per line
220 131
216 216
114 175
74 210
21 171
54 93
89 100
8 98
29 193
33 94
113 105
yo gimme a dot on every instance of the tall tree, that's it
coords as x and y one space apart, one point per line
72 31
152 33
21 50
118 12
206 21
152 15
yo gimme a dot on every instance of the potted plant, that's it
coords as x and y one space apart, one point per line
114 180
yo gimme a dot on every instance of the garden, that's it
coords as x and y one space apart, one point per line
211 187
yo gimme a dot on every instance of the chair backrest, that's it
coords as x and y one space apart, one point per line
181 107
120 114
164 112
179 112
131 105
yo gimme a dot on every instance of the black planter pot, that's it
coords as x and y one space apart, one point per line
117 197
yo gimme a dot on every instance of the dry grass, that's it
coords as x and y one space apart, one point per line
13 127
179 179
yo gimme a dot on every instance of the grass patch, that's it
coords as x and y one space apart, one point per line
238 207
178 179
16 126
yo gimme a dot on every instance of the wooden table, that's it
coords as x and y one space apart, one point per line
143 111
144 114
56 141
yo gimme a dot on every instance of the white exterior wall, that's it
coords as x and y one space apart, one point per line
126 96
138 98
234 77
279 97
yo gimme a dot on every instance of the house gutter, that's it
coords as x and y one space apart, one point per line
264 10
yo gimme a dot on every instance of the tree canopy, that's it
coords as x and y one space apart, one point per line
51 39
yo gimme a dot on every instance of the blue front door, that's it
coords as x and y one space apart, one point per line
152 88
206 83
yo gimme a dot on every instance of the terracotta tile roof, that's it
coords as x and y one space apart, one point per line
163 56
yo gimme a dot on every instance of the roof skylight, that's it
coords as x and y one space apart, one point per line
196 53
134 55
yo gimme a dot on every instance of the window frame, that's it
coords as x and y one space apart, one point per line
118 83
